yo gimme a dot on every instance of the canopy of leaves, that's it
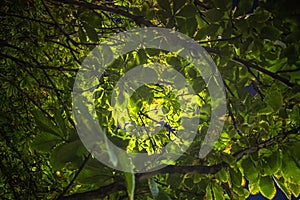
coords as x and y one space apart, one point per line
255 46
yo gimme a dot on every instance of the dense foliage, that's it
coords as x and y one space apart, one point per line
255 45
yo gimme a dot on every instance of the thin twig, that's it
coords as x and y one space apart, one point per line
200 169
264 71
231 115
220 40
140 20
253 66
101 192
25 94
75 177
57 24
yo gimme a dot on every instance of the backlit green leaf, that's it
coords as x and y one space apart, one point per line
208 193
295 188
130 183
223 175
253 187
267 187
218 191
282 185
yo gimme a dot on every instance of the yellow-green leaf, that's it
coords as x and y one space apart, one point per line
250 171
267 187
130 184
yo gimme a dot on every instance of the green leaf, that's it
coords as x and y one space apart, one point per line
250 171
208 192
223 175
165 4
178 4
118 141
241 192
212 30
130 184
261 16
291 52
91 32
175 63
188 11
214 15
187 26
218 191
91 18
236 177
273 163
220 3
295 113
94 174
291 163
267 187
44 123
45 141
112 155
82 35
295 151
69 152
192 72
141 57
191 26
163 195
253 187
197 178
174 179
280 183
274 99
295 189
269 32
58 115
153 188
228 158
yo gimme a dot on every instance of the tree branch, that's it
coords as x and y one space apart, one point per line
140 20
220 40
27 18
264 71
27 95
230 113
174 169
75 177
98 193
57 24
171 169
9 179
58 68
267 143
253 66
